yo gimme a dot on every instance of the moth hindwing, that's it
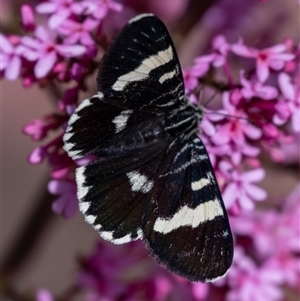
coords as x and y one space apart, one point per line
152 178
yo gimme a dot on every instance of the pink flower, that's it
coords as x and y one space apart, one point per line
216 59
236 129
273 57
51 151
69 100
60 10
272 228
44 295
252 88
66 204
99 8
202 65
44 50
222 48
102 270
248 282
27 17
190 77
209 120
292 94
290 150
39 128
261 227
78 32
38 155
10 56
240 187
76 71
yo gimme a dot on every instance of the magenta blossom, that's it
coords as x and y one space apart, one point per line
253 87
10 56
99 8
222 48
39 128
251 283
78 32
273 57
240 187
44 295
202 64
27 17
237 128
190 77
292 94
44 50
66 204
60 10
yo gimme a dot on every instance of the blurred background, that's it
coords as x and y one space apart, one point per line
46 256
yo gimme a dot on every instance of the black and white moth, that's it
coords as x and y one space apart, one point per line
152 179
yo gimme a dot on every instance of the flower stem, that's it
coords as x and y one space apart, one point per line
38 220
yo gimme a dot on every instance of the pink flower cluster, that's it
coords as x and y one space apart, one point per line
251 116
60 52
258 111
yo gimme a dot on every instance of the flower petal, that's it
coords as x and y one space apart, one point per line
46 8
243 50
255 192
230 195
5 44
286 86
44 64
12 70
262 71
42 34
31 42
296 121
56 19
245 202
70 51
276 49
251 131
255 175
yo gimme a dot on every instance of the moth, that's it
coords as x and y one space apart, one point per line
151 178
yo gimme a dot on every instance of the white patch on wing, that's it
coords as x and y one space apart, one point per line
143 70
166 76
90 219
67 136
68 146
97 227
217 278
139 17
100 95
108 235
120 121
84 206
85 103
187 216
139 182
80 179
73 118
197 185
